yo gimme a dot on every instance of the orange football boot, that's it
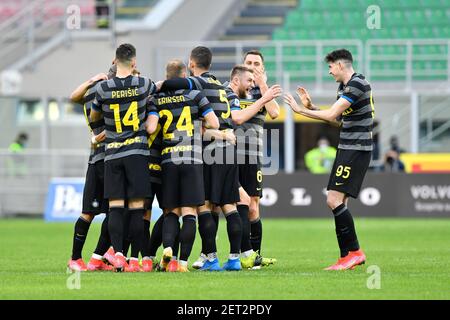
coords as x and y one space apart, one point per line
77 265
98 265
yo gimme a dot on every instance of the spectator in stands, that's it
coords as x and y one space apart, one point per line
320 159
394 145
102 12
392 162
16 163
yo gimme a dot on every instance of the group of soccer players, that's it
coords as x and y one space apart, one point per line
196 145
192 142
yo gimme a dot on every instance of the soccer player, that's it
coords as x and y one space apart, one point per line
354 108
220 174
250 174
241 84
179 113
93 201
122 101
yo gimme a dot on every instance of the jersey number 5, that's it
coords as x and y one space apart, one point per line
223 98
130 118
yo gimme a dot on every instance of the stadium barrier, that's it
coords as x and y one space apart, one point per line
382 194
302 195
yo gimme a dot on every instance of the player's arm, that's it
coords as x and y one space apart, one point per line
308 109
151 123
243 115
96 109
272 107
207 113
99 137
78 94
213 134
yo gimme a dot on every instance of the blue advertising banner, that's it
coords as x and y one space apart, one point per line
64 200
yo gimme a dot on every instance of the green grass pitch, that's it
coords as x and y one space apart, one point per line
413 256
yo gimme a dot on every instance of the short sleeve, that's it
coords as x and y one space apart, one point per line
352 92
98 100
203 104
152 109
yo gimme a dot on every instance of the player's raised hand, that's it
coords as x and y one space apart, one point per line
259 77
159 85
305 97
290 101
98 77
273 92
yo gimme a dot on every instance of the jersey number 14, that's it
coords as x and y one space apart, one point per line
129 119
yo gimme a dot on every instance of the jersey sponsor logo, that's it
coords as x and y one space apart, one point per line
176 149
347 111
154 166
115 145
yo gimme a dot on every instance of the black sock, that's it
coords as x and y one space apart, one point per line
176 244
79 237
207 228
171 228
187 236
256 234
234 230
345 230
215 216
104 240
156 236
126 232
146 239
136 231
115 227
246 245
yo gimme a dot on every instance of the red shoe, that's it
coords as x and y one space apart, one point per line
172 266
77 265
110 256
361 258
350 261
119 263
133 266
335 266
147 265
98 265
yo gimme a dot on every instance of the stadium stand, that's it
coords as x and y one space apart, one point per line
404 19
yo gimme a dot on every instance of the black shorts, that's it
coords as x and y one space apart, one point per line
127 178
349 169
221 183
182 185
93 200
156 192
250 178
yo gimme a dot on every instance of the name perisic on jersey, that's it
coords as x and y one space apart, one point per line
130 92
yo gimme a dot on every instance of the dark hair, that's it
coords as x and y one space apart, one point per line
255 52
340 54
238 70
125 52
202 57
22 136
175 68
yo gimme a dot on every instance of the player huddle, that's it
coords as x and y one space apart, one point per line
174 140
178 140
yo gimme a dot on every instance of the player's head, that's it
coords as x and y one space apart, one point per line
176 69
254 59
241 79
126 56
201 58
339 63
